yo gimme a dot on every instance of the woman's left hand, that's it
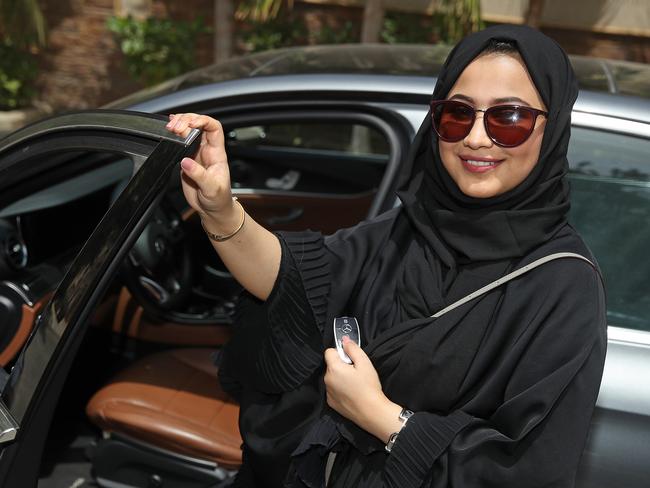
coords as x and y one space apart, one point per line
354 391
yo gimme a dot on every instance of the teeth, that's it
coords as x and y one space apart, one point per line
480 163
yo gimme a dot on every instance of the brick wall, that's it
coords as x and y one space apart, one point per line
82 65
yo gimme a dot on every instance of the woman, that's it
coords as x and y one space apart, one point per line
503 387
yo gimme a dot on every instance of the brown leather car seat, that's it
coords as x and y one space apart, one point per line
172 400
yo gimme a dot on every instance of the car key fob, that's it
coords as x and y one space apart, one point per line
346 326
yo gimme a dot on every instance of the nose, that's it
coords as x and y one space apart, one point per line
477 136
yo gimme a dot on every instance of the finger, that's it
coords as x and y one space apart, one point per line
331 356
174 119
195 171
357 354
180 125
189 181
213 135
212 129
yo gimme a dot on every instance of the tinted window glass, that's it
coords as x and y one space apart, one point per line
335 156
610 185
58 218
354 139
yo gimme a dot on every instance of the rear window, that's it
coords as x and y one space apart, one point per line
610 207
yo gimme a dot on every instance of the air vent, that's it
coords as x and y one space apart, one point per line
15 252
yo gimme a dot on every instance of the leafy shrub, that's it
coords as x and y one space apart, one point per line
157 49
18 70
346 33
406 28
274 33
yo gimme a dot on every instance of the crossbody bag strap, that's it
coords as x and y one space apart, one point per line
510 276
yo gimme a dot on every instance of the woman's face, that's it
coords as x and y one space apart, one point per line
492 79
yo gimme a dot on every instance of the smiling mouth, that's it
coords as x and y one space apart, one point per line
479 166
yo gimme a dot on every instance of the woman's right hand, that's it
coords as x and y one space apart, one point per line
253 255
206 178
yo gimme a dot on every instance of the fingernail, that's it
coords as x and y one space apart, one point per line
345 339
186 164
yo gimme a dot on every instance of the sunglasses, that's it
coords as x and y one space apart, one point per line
505 125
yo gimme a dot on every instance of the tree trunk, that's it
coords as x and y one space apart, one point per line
534 13
373 18
224 15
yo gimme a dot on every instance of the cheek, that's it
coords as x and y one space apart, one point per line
527 155
447 156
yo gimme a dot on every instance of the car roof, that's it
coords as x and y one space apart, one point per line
399 62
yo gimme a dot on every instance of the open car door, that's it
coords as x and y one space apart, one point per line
86 148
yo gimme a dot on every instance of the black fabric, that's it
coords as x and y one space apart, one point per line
273 365
503 387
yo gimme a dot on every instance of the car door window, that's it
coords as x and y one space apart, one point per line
66 203
326 157
610 207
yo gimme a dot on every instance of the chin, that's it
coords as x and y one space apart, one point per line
480 190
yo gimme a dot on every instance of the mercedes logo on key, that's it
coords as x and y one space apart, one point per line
346 328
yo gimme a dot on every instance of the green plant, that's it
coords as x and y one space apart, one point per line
274 33
344 34
18 70
22 31
22 23
261 10
405 28
457 18
157 49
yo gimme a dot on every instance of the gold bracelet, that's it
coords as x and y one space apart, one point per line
221 238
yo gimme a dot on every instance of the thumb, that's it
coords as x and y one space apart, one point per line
358 356
194 170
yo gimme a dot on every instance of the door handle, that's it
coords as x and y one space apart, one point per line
287 181
290 216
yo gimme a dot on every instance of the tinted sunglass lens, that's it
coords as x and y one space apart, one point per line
453 120
509 126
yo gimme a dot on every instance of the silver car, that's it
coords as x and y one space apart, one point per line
315 138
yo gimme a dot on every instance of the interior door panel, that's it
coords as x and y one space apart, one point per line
325 213
293 171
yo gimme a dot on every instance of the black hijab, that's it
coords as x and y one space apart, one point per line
511 224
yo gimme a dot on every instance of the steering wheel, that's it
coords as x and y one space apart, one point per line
159 268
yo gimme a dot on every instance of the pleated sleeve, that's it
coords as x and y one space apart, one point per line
278 343
545 388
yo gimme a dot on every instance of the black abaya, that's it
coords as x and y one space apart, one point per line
503 387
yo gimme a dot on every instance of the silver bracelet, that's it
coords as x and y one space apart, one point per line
404 416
